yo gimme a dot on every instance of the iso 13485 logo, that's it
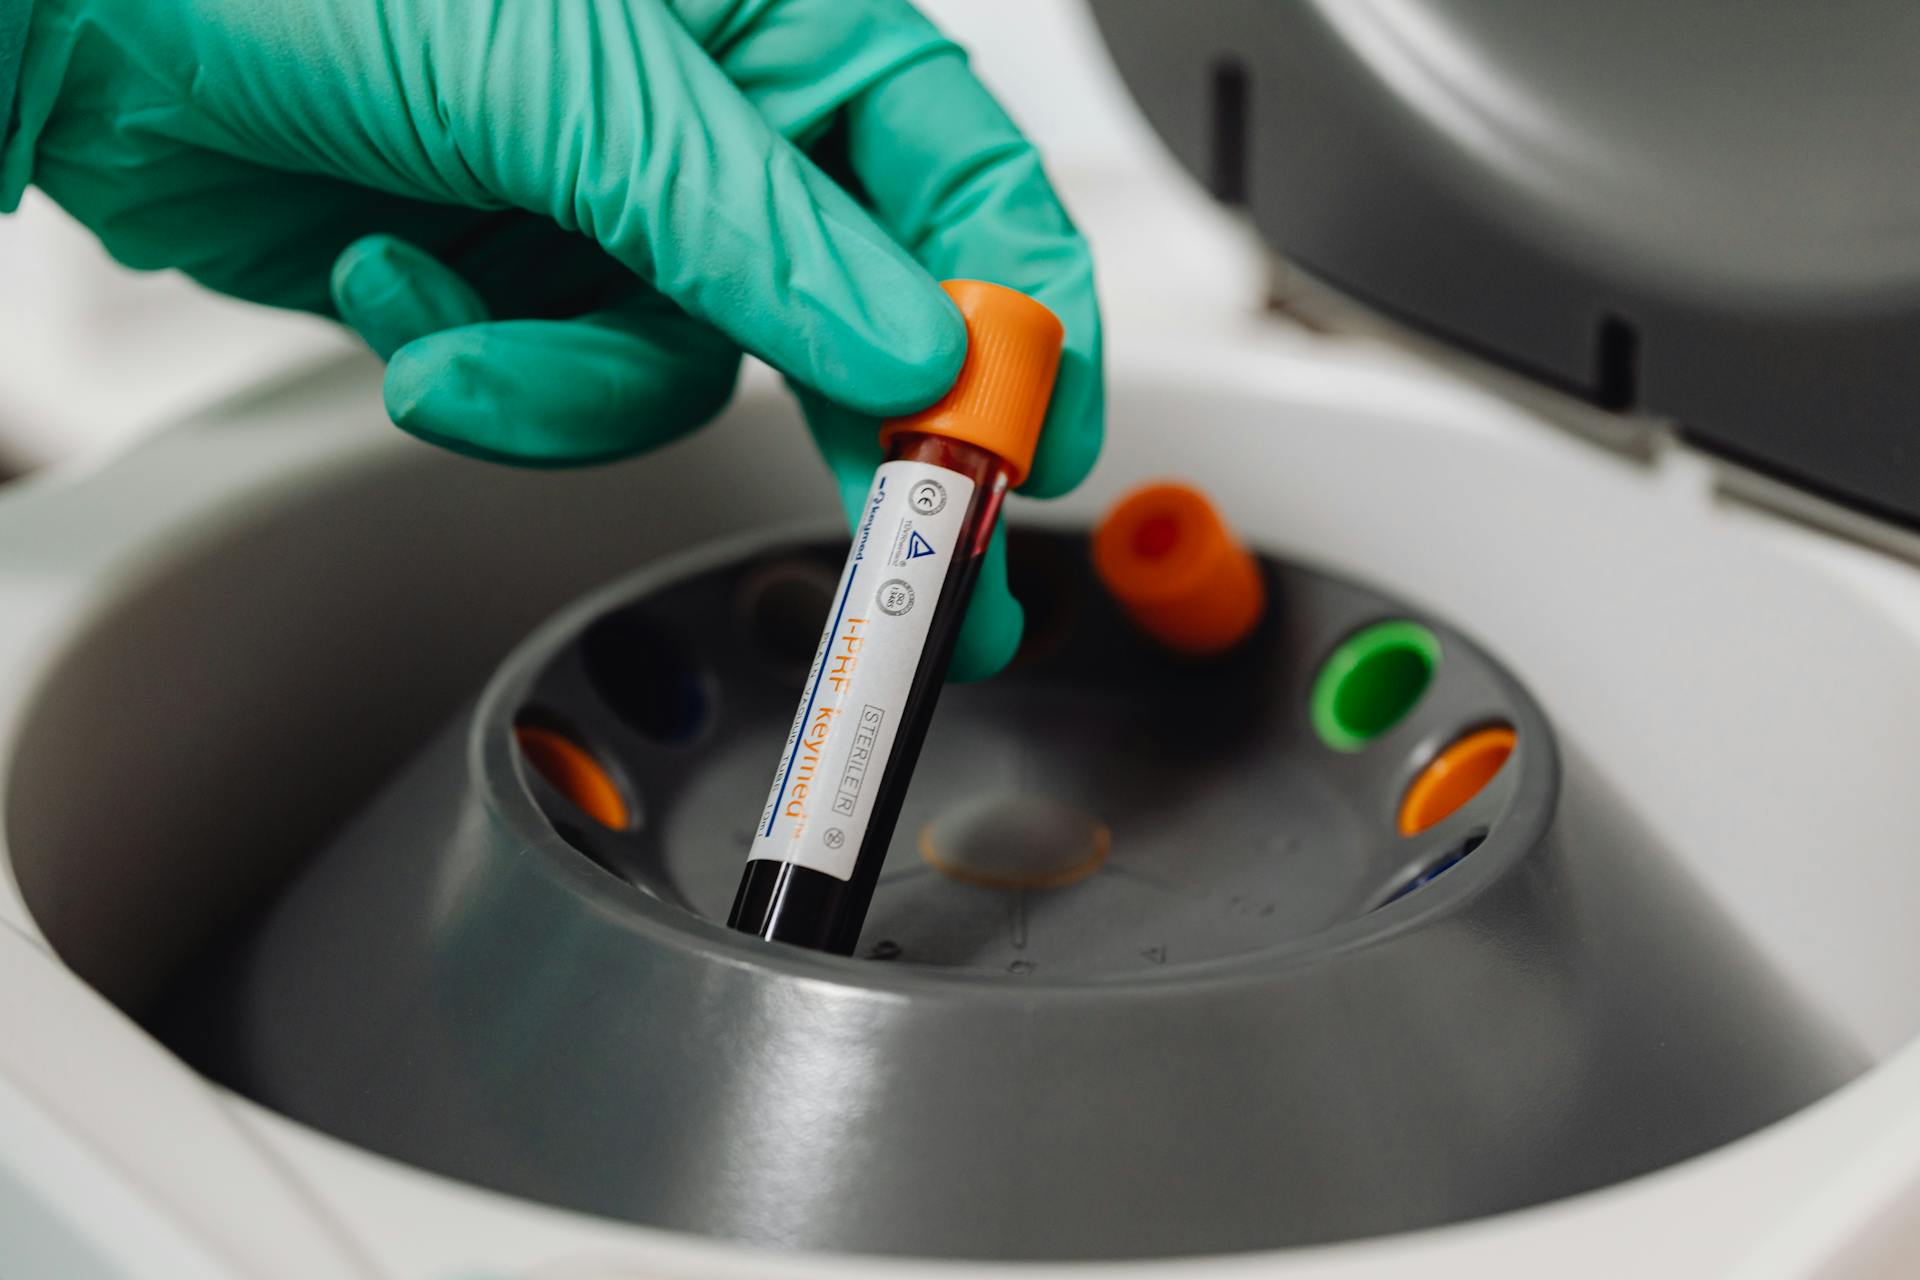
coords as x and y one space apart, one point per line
895 597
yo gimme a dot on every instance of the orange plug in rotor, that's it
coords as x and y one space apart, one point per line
1170 561
574 773
1454 777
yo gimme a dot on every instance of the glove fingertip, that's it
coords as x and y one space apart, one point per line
910 367
1075 430
413 373
391 292
989 637
927 360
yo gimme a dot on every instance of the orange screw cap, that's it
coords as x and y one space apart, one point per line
1000 399
1165 554
1454 777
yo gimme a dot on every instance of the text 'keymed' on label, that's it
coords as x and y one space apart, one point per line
842 736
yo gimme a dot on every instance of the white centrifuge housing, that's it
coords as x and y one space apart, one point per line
224 639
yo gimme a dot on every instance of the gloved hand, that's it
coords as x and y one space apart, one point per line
561 220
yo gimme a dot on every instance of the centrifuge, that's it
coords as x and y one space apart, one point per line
370 814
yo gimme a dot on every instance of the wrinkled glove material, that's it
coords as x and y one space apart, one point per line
13 38
562 224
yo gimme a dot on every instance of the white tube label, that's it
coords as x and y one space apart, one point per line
856 692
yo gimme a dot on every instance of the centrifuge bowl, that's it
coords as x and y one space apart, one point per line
454 983
229 650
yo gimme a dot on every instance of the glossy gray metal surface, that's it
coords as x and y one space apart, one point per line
454 984
1231 827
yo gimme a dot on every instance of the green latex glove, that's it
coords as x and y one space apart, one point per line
562 220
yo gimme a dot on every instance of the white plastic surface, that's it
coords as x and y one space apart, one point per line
1694 649
102 1132
1754 686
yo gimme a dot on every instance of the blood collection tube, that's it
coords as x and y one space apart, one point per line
870 694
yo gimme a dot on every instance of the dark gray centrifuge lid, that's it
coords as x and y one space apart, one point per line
1708 211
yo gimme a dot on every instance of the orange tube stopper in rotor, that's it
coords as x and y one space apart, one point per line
575 774
1171 562
999 401
1454 777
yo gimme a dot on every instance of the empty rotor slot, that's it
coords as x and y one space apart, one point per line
1429 870
785 608
1371 681
1460 771
576 774
646 676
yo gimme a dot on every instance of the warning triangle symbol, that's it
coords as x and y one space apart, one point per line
918 546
